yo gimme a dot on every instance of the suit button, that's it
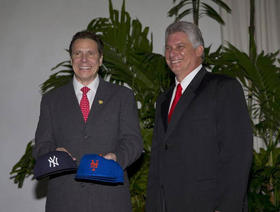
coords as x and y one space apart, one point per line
166 147
86 137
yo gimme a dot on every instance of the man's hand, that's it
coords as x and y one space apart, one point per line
64 150
111 156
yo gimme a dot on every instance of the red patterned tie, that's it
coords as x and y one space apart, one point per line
84 104
175 101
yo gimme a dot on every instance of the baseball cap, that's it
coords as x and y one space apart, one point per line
95 167
53 163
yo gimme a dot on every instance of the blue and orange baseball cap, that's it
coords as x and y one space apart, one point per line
97 168
53 163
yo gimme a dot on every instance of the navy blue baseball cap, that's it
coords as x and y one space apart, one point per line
95 167
53 163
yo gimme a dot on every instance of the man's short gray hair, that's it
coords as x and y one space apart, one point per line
190 29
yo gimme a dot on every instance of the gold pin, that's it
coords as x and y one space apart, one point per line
100 102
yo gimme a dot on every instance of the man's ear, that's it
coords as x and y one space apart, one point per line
199 51
101 60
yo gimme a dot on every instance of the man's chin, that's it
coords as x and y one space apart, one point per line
175 70
86 80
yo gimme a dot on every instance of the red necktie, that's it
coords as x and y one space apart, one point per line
175 101
84 104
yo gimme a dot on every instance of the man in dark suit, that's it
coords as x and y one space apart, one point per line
202 144
88 116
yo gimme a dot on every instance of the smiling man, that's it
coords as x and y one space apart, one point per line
88 116
202 144
86 60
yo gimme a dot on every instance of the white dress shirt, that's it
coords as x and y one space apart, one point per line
90 94
185 83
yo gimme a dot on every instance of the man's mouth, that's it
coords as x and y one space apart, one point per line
175 61
84 67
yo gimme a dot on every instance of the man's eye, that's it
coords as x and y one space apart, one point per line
91 53
181 47
167 48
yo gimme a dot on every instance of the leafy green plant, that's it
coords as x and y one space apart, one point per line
264 181
198 8
24 167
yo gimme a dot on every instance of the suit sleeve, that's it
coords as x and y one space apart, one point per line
235 144
153 186
131 145
44 141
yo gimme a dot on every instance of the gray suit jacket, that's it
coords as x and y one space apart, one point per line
200 161
112 126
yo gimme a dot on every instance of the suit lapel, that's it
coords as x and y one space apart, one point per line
165 107
72 104
73 107
101 98
185 100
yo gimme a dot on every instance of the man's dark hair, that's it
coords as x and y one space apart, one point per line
87 35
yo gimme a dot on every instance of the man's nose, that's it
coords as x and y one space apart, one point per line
173 52
84 57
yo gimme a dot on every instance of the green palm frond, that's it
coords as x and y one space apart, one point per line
24 167
260 77
59 78
174 11
223 5
212 13
198 8
183 14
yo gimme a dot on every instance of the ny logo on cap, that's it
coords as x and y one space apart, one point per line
94 165
53 161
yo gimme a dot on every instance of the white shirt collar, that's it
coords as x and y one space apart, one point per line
187 80
90 94
92 86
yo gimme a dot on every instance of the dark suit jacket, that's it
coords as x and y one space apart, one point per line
200 161
112 126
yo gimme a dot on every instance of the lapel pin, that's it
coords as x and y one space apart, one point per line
100 102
